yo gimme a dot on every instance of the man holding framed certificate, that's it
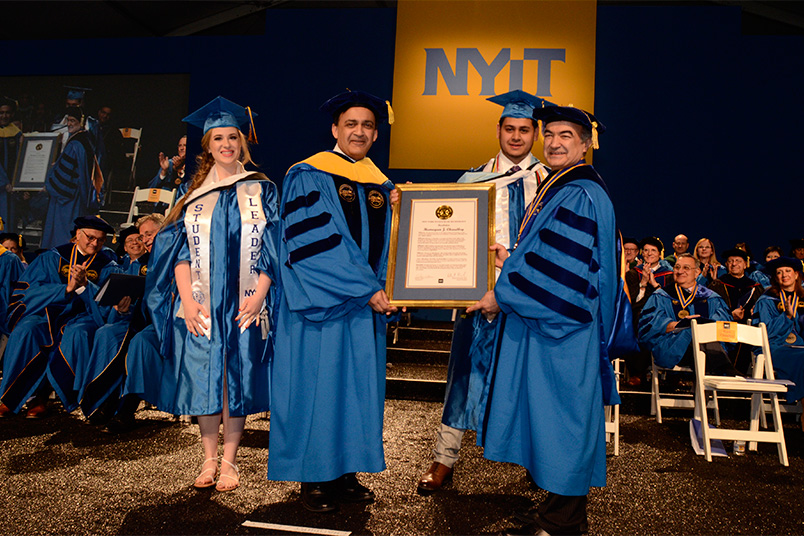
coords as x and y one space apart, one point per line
556 295
328 377
516 174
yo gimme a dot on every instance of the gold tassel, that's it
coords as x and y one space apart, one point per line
595 144
390 113
252 132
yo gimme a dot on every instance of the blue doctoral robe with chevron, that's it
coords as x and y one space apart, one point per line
72 194
40 313
101 375
662 308
11 269
473 334
788 357
551 377
328 377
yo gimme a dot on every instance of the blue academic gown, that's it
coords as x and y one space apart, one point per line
192 375
39 314
72 193
11 269
328 377
788 357
473 334
662 308
551 377
663 272
101 375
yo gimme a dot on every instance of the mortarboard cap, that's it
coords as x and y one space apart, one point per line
734 252
121 238
77 93
92 222
629 240
550 114
220 112
779 262
349 99
17 238
75 111
652 241
519 104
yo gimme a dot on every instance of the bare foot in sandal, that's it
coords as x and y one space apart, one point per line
208 471
230 477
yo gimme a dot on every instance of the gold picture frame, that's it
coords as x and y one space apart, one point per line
439 254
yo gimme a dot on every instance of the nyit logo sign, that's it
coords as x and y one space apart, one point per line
456 78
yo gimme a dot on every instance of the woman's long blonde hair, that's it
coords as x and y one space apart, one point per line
204 163
713 259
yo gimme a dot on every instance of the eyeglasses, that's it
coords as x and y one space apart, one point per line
680 268
91 239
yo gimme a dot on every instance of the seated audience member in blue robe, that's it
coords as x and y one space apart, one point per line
556 296
328 377
171 172
217 251
57 288
72 184
781 309
659 328
680 245
516 173
738 290
11 270
99 383
711 268
15 243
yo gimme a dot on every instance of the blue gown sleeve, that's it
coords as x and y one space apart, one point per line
160 282
653 320
777 323
323 271
38 287
551 279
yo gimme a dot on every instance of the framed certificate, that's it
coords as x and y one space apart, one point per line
37 152
439 253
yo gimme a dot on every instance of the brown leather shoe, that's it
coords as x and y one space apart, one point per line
436 476
38 411
5 411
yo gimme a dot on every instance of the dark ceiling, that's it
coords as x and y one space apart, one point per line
110 19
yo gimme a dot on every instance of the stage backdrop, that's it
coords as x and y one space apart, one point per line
452 55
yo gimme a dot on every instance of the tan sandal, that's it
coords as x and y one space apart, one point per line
205 480
235 479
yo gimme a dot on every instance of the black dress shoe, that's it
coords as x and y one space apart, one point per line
120 425
350 490
318 497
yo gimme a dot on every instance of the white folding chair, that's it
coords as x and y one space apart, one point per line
132 134
149 195
762 383
659 400
613 414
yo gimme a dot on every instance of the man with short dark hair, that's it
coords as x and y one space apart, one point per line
328 378
557 294
631 251
516 174
57 289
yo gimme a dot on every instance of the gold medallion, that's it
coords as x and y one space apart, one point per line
144 270
791 338
347 193
683 313
376 199
444 212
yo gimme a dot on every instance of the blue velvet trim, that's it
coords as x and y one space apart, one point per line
561 275
70 160
63 187
565 245
581 223
559 305
301 202
314 248
307 225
